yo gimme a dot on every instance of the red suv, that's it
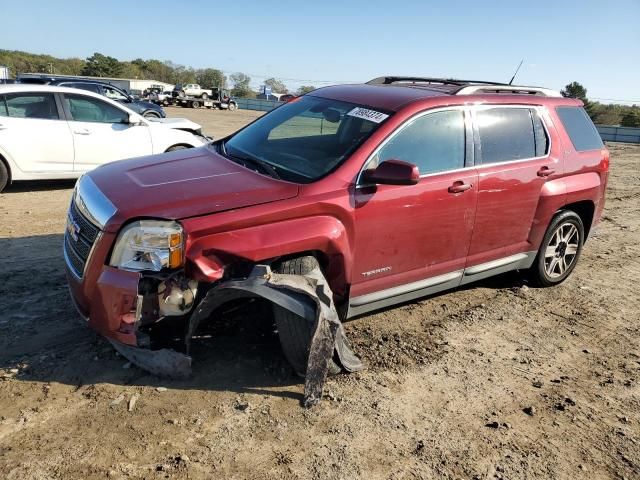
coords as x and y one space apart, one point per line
397 189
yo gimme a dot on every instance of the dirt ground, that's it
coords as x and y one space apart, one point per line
494 381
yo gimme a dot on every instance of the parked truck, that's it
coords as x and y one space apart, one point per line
182 90
213 98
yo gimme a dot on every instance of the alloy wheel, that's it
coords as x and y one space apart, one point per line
562 250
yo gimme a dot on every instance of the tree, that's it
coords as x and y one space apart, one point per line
305 89
277 86
631 118
99 65
240 82
210 77
576 90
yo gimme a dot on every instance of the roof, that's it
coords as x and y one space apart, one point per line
393 92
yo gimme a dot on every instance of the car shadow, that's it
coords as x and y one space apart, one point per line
42 336
39 185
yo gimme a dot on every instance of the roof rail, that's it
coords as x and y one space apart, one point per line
513 89
442 81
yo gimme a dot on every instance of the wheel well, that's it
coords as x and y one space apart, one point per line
185 145
585 209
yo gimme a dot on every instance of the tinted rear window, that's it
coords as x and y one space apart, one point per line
506 134
580 128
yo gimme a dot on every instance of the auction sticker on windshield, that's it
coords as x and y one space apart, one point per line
367 114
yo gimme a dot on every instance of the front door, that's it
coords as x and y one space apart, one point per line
102 133
513 162
33 134
408 235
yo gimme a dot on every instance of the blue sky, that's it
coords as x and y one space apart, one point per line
594 42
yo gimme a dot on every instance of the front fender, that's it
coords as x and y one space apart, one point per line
210 254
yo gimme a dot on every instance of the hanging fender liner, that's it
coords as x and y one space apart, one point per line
309 297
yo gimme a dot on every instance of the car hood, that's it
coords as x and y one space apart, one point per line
180 184
177 123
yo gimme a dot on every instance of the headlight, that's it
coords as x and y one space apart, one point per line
149 245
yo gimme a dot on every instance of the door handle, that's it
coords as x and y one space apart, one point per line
545 171
82 131
459 187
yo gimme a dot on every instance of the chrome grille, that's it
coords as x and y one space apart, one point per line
79 237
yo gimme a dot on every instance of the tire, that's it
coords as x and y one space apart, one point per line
559 251
177 147
181 94
4 176
151 114
195 104
232 107
204 96
295 333
165 103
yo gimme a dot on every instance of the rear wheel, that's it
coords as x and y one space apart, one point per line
295 332
151 114
560 250
204 96
195 104
232 107
4 176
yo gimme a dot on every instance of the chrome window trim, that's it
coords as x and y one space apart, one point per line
539 110
92 203
465 109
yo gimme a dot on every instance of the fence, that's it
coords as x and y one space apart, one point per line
257 104
619 134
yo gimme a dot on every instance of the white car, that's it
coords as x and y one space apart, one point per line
58 132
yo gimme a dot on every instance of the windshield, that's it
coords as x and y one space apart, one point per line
305 139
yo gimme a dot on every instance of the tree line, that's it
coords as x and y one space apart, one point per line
100 65
604 114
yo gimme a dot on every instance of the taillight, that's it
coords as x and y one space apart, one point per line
604 163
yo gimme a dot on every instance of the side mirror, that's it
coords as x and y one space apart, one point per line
135 120
393 172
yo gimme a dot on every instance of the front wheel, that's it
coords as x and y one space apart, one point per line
4 176
204 96
232 107
151 115
176 147
560 250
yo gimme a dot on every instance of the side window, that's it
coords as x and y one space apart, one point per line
434 142
580 128
540 134
113 94
83 86
3 107
89 109
31 105
505 134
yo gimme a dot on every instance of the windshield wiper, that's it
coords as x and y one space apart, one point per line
247 161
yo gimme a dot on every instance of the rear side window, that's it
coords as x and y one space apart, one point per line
83 86
434 142
31 105
580 128
507 134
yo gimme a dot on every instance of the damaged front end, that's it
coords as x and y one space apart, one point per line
160 297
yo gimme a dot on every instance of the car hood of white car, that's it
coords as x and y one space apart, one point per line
177 123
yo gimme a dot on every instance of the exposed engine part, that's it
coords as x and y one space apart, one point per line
176 296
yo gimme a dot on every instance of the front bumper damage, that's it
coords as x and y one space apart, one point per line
308 296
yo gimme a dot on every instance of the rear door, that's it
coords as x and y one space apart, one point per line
412 233
513 162
34 134
102 133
